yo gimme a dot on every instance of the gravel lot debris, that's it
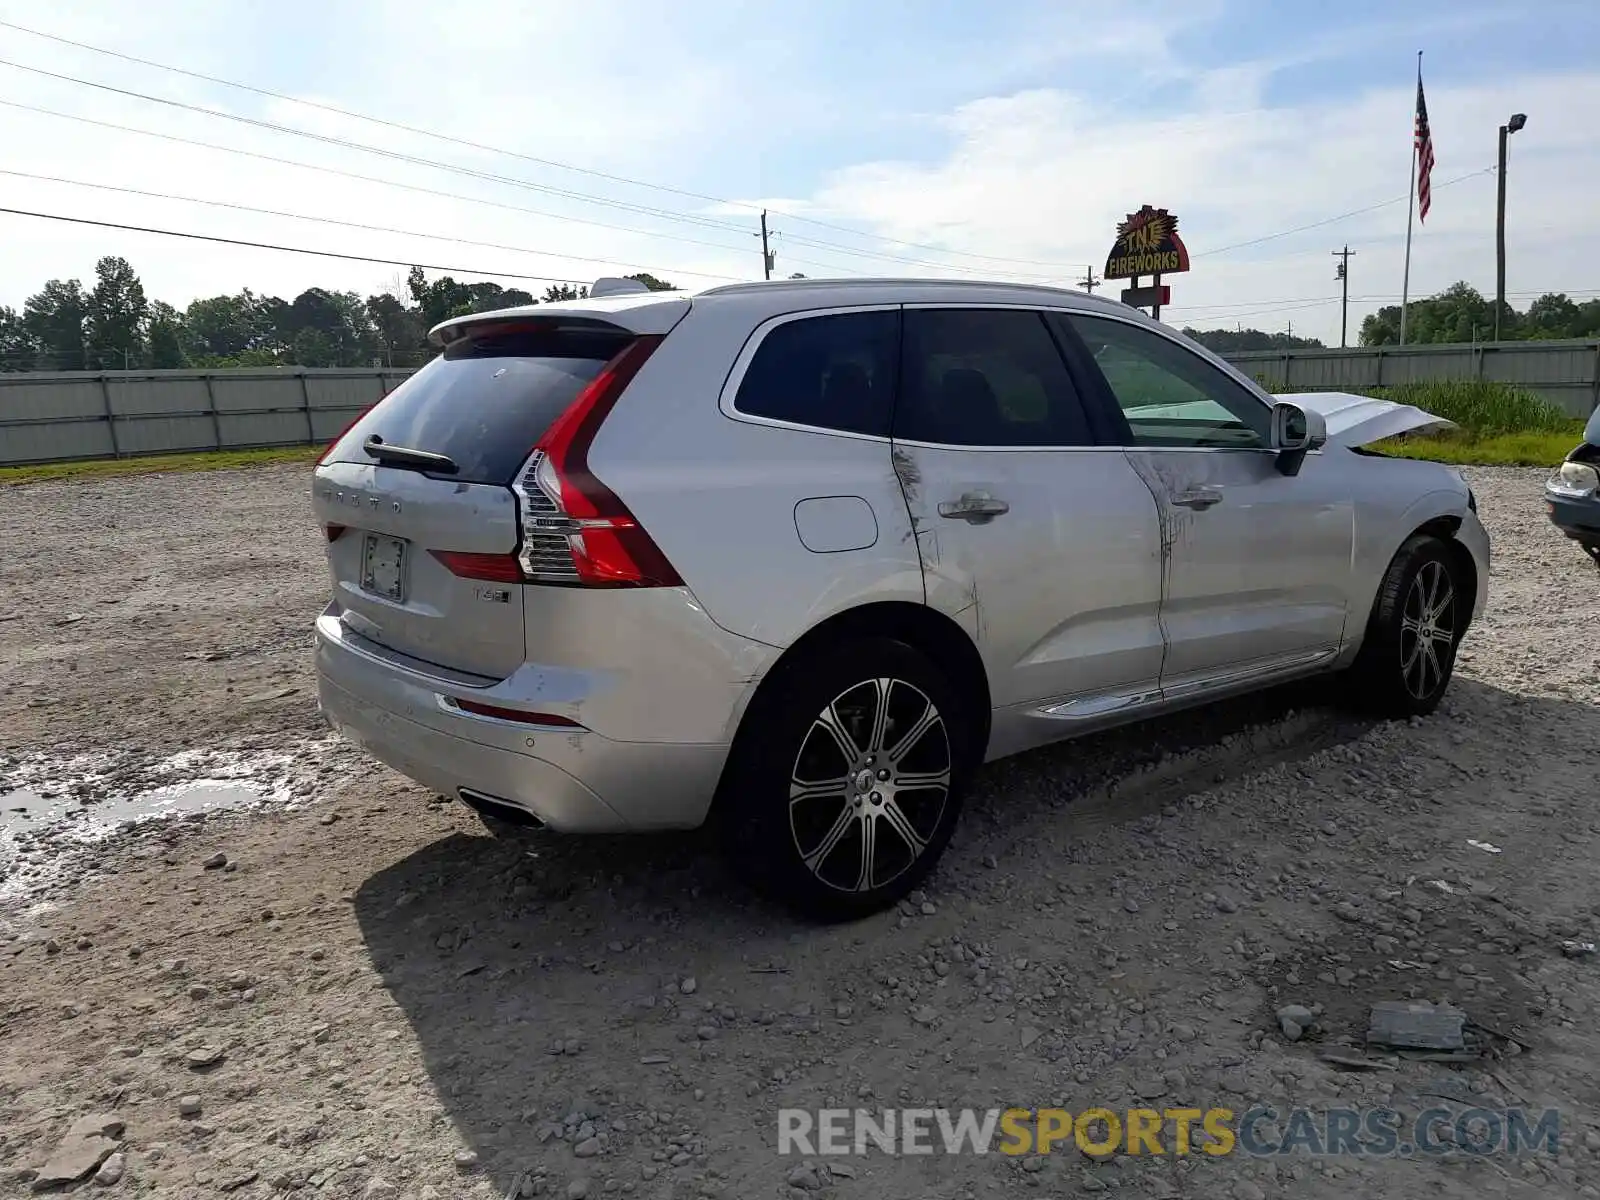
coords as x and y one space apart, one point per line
1200 912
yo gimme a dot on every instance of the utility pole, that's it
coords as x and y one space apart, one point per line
1088 283
766 255
1342 274
1517 121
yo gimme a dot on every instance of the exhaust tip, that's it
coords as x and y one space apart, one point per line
494 806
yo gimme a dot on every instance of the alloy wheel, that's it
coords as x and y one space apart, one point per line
870 784
1427 629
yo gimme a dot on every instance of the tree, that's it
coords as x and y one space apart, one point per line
117 310
164 339
651 282
55 319
221 330
19 349
564 291
1234 341
398 329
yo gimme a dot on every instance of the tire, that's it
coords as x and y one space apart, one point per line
845 722
1409 652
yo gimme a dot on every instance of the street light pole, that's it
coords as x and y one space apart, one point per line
1517 121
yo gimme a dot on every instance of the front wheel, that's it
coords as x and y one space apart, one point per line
845 785
1409 652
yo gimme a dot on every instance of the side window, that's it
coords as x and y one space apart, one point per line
1170 396
834 372
986 377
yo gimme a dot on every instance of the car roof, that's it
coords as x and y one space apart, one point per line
774 295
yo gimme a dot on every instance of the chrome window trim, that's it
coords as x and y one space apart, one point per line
758 335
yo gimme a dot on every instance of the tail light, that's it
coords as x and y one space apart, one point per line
574 528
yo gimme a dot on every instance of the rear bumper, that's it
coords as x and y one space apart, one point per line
571 780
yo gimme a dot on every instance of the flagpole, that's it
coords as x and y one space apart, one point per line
1411 204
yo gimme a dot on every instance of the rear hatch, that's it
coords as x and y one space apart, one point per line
416 496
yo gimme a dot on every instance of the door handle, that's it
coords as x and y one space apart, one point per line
976 508
1200 498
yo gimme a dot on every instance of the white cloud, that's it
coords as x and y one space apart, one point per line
712 97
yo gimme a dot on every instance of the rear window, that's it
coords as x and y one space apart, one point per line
489 398
833 372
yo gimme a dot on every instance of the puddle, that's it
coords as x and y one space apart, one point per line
27 809
54 809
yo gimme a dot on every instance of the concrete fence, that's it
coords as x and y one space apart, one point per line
57 417
1565 373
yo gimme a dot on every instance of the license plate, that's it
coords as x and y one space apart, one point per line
383 567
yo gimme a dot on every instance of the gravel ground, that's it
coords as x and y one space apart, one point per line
372 999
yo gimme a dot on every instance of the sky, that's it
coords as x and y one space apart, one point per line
1003 140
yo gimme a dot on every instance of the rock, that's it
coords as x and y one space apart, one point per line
928 908
1129 904
1227 904
466 1160
924 1015
1247 1190
51 946
688 986
379 1188
110 1172
88 1142
577 1189
804 1177
198 991
189 1106
205 1056
1292 1030
1577 949
1030 1035
216 862
587 1148
1294 1020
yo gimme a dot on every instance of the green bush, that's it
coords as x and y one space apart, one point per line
1480 406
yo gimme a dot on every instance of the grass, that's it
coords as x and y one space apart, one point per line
202 460
1463 448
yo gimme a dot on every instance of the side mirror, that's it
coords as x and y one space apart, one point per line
1296 432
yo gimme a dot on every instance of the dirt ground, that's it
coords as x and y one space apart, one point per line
373 999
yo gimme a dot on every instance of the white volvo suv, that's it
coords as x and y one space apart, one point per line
797 557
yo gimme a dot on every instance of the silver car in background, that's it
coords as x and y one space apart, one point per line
797 557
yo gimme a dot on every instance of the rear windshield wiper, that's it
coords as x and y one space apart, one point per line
405 456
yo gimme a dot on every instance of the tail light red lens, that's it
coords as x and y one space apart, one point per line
493 568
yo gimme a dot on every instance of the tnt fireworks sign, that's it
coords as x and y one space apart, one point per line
1147 244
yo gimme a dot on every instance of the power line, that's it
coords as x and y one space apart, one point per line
470 172
382 182
437 237
472 145
1355 212
206 237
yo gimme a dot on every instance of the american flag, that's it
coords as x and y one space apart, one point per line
1424 145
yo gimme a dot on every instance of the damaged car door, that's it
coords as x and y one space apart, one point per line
1257 562
1035 535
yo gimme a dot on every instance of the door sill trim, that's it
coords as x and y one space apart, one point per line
1107 705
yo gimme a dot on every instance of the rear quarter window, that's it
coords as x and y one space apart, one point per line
489 398
834 371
